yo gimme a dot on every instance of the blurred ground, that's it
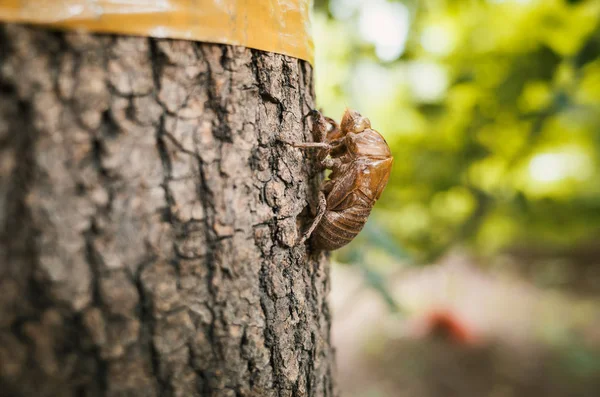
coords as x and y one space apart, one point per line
527 341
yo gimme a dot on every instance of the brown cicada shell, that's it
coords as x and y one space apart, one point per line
361 162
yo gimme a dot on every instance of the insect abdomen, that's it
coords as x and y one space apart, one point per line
338 228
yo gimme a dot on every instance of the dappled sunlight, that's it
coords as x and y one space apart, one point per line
439 37
428 81
385 25
465 102
552 168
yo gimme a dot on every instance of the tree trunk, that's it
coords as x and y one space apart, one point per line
147 220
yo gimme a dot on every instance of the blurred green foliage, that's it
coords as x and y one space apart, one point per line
492 111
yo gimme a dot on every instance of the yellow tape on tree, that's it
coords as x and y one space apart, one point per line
281 26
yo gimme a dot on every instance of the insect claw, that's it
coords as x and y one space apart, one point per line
320 212
311 113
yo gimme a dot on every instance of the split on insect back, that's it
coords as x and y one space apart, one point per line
360 161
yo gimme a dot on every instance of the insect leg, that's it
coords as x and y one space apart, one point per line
320 213
309 145
333 131
331 163
321 127
327 186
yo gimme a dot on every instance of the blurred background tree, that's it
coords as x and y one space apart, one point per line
492 110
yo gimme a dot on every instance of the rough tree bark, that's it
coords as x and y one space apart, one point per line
147 220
